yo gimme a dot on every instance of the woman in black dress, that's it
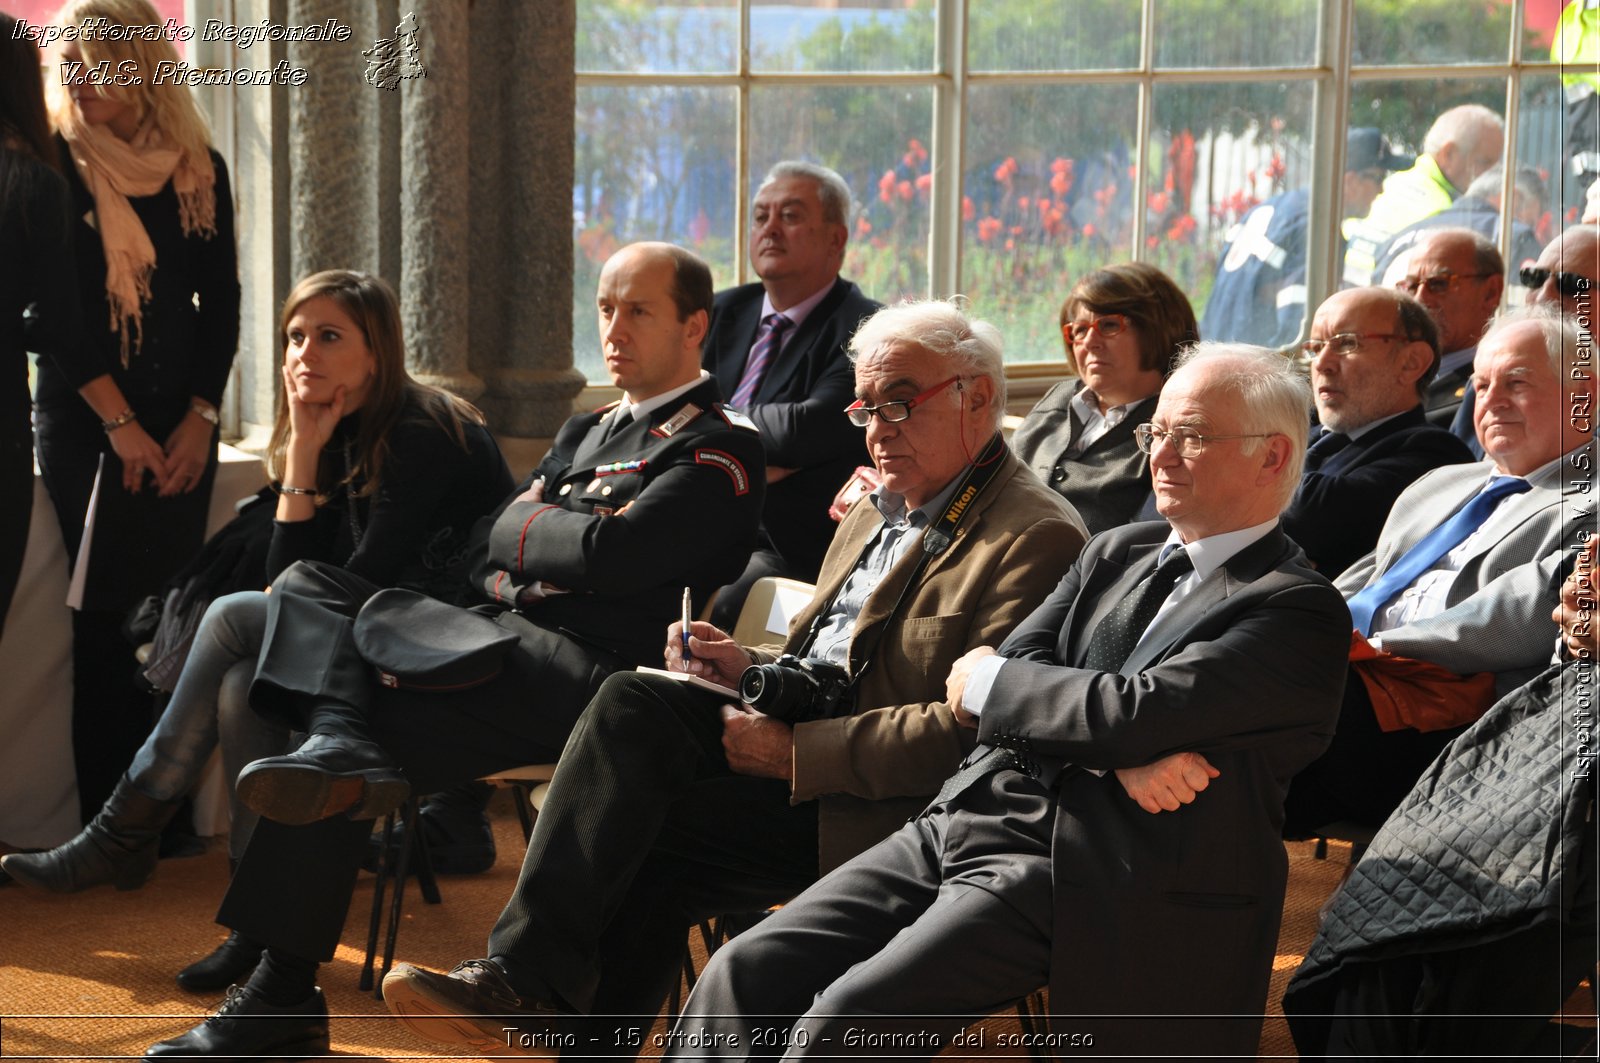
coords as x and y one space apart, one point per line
153 237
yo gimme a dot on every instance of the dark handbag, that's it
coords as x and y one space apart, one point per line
419 643
234 559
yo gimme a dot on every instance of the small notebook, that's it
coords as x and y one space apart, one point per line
694 681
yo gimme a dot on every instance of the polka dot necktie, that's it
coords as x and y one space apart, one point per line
1110 645
1113 641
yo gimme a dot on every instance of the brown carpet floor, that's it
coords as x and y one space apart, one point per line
90 976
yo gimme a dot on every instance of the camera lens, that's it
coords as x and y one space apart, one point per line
752 684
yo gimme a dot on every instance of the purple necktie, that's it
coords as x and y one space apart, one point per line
769 338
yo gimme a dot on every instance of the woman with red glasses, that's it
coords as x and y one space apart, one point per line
1122 326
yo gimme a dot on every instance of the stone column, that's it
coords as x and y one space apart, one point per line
335 153
456 187
521 107
434 167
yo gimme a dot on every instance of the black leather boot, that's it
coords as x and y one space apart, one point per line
229 963
118 846
247 1026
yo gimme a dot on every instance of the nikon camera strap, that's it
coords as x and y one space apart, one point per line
935 541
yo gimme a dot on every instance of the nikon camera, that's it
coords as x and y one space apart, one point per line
795 690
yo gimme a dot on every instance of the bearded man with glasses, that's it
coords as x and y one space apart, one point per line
673 804
1448 609
1371 354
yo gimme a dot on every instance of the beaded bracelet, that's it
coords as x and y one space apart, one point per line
127 416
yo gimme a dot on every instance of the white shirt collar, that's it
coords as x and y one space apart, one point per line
1088 404
799 311
1543 472
1214 551
626 409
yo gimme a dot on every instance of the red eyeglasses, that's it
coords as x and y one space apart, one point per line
860 413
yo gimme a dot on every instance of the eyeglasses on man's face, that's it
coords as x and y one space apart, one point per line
1108 325
1568 284
1438 284
861 414
1188 441
1344 343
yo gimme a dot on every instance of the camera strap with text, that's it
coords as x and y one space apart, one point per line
936 539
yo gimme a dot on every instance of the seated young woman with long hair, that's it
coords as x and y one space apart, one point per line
376 472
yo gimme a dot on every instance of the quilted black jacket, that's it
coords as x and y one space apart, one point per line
1489 842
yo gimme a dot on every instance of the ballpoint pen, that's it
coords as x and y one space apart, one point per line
688 608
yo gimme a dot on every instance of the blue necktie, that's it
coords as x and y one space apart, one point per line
1426 553
769 338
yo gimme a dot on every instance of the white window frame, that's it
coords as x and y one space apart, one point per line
1332 75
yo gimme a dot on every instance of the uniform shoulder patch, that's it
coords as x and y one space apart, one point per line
608 407
728 464
735 418
676 423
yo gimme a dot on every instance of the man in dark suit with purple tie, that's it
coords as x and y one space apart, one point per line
1373 352
777 349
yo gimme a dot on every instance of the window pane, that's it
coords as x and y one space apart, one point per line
1035 35
848 35
1406 112
664 36
652 164
875 138
1209 33
1230 165
1431 31
1555 165
1046 200
1535 205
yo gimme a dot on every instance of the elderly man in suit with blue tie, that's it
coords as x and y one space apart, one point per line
1032 865
1373 352
1461 576
777 349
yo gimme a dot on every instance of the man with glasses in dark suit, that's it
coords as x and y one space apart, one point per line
1071 849
1372 353
1459 276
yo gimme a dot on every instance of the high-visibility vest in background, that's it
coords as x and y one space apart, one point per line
1577 48
1407 198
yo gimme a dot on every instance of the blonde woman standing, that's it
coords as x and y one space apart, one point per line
152 230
